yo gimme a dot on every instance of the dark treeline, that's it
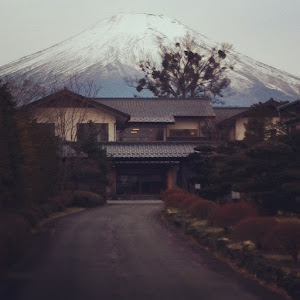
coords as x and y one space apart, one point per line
28 173
37 180
264 167
28 162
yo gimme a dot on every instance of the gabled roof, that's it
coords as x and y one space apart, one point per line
271 106
149 150
223 113
159 110
289 104
65 94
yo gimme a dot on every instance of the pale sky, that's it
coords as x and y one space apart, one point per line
265 30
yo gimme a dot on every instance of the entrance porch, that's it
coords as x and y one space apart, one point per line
143 180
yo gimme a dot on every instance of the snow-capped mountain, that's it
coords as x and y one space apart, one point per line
108 55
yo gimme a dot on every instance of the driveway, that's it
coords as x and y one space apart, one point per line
122 251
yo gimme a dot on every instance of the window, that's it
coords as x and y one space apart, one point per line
46 128
142 134
88 130
183 133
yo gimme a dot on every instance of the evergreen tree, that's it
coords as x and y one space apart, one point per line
95 152
27 158
261 125
9 151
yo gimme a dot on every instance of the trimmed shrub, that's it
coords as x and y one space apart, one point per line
187 201
254 229
285 238
87 199
173 197
194 205
168 193
61 200
230 214
202 209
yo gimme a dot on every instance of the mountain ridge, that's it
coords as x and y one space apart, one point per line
108 54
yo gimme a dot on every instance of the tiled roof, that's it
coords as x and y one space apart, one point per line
159 110
64 95
154 150
289 104
223 113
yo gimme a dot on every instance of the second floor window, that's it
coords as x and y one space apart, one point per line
141 134
183 133
99 131
46 128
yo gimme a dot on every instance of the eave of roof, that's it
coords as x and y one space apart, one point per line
79 97
249 111
287 105
225 113
149 150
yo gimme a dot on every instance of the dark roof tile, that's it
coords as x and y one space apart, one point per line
154 150
223 113
159 110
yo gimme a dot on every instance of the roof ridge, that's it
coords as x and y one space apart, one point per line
231 107
159 99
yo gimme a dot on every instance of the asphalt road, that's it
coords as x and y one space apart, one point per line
122 251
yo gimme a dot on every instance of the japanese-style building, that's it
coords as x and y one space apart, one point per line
147 139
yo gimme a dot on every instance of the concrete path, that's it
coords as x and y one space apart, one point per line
123 251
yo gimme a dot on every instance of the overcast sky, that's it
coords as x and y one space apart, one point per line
265 30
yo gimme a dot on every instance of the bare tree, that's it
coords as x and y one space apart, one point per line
187 71
66 112
77 84
24 89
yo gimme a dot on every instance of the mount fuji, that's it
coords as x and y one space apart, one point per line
108 55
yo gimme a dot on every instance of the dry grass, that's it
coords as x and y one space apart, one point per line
214 230
200 223
235 246
172 210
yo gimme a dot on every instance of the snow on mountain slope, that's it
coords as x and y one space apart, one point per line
109 53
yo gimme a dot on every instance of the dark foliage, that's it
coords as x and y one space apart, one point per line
194 205
14 236
202 209
27 158
255 229
230 214
285 238
95 170
264 172
172 197
260 125
87 199
202 167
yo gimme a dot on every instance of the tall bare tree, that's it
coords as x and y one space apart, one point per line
24 89
187 71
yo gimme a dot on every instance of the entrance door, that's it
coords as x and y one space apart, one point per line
140 179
